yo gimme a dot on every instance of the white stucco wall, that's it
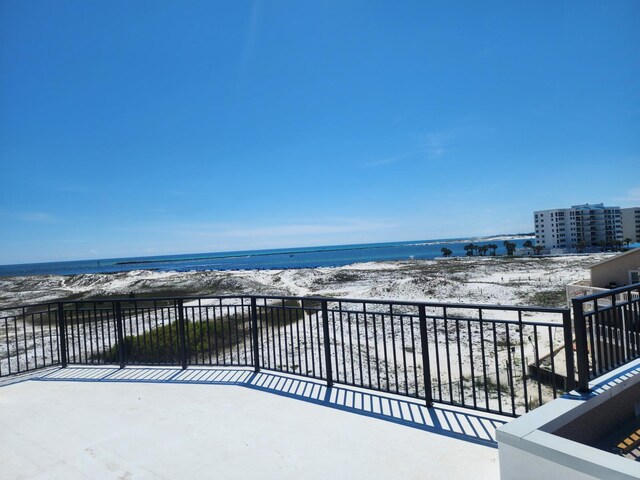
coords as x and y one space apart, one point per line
528 451
519 464
615 269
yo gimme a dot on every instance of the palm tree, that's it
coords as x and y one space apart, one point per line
538 249
469 248
493 247
627 240
510 246
482 250
528 244
602 244
581 245
446 252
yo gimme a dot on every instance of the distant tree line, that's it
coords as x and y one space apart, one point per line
605 245
530 246
446 252
472 249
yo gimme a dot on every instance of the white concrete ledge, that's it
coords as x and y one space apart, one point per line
529 450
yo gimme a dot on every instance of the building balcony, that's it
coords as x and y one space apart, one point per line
289 387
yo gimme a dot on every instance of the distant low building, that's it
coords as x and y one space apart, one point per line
623 269
616 271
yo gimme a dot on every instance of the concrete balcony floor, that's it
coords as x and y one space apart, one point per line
138 423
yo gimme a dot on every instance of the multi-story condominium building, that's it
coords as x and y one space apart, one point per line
579 226
631 223
551 228
597 223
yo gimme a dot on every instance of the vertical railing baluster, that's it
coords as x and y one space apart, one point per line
620 352
510 368
62 335
582 352
568 350
366 339
426 369
254 328
553 364
523 362
183 336
120 333
327 343
51 336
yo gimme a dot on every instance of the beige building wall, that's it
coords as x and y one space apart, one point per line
630 223
615 269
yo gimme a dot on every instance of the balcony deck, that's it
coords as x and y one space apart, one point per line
83 422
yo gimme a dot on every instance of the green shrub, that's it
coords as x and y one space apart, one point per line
549 298
162 344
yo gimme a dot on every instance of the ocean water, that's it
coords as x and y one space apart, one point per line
311 257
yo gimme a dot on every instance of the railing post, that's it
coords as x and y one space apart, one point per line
619 353
568 350
426 366
183 336
62 335
254 328
327 344
582 351
120 333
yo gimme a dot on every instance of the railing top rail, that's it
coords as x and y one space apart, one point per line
608 293
472 306
31 305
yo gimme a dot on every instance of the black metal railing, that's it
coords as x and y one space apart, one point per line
607 331
29 338
502 359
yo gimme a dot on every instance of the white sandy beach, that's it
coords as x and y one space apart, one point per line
486 280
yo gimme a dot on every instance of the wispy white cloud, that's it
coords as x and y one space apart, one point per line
34 217
269 235
484 53
386 161
250 40
178 193
437 144
631 198
307 229
27 217
633 195
432 145
72 189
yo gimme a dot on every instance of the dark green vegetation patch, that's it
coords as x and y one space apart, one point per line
205 337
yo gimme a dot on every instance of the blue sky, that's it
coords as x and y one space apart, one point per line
156 127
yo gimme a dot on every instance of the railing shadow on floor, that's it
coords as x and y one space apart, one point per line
453 422
601 385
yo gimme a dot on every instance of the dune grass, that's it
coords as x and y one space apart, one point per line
202 337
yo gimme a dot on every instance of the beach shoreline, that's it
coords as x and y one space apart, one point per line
279 258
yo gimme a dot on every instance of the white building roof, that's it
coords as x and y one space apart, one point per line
620 257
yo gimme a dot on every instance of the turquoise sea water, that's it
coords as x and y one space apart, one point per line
310 257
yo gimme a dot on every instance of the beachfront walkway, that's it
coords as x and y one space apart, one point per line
216 423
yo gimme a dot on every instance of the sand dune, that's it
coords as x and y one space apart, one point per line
492 280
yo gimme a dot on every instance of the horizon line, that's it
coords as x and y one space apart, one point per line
278 250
